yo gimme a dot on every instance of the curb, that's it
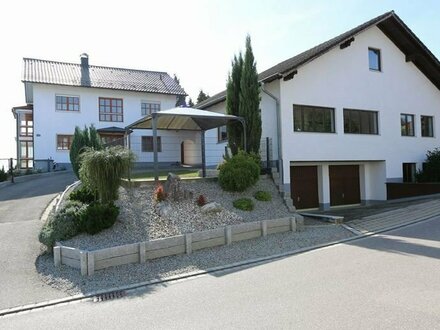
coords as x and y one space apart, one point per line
254 261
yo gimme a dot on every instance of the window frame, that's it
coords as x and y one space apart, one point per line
151 110
145 144
302 107
360 112
28 124
379 59
406 115
430 128
103 114
28 156
68 103
409 172
68 143
220 138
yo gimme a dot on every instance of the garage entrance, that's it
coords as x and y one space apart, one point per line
344 185
304 186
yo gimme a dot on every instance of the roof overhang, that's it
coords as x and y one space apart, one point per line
187 119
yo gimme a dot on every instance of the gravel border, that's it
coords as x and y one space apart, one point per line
70 280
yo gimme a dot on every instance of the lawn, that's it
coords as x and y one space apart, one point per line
149 174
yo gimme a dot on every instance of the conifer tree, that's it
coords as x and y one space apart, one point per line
190 103
180 99
202 96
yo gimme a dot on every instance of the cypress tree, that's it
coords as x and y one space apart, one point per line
234 129
249 107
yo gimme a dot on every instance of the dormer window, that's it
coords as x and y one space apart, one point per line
374 59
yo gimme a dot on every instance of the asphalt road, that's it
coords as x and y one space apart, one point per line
21 206
387 281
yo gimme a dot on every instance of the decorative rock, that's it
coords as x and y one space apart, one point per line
172 187
212 207
163 209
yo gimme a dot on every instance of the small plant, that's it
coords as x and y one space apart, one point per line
201 200
263 196
244 204
3 174
98 217
159 193
83 194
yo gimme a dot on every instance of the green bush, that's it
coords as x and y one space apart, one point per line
238 173
83 194
244 204
62 225
263 196
98 217
3 174
431 167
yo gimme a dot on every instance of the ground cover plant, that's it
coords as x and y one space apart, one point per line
244 204
263 196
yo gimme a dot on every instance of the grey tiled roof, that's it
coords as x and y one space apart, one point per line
71 74
390 24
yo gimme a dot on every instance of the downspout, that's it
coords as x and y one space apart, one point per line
279 142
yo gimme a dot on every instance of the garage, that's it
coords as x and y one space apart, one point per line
304 186
344 185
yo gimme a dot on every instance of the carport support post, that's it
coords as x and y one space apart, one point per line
203 154
154 126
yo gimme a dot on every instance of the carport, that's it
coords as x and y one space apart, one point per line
187 119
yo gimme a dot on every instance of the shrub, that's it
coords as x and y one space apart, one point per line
159 193
431 167
62 225
238 173
244 204
83 194
263 196
3 174
98 217
201 200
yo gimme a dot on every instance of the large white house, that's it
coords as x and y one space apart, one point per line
350 114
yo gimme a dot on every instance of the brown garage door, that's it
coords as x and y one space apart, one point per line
304 186
344 185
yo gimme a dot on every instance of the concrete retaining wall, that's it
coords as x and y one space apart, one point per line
89 261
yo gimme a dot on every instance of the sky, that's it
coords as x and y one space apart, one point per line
193 39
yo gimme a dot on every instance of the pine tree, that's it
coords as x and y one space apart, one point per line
190 103
180 99
202 96
234 129
249 107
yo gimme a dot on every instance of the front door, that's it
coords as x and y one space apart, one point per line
304 186
344 185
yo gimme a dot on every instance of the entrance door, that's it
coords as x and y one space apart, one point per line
344 185
304 186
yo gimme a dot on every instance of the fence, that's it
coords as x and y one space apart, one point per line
89 261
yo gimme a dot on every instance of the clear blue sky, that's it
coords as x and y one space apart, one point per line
193 39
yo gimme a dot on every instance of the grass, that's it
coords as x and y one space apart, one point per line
149 175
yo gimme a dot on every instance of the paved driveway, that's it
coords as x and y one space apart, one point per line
21 206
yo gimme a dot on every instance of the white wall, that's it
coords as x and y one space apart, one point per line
49 122
342 79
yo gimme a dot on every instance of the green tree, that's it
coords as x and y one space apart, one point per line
83 138
190 103
202 96
234 129
431 167
101 170
180 99
250 100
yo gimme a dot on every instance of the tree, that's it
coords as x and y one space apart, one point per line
431 167
250 100
190 103
180 99
202 96
82 138
234 129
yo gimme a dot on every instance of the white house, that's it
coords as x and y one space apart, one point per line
61 95
350 114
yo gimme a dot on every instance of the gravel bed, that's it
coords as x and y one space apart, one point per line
138 220
70 280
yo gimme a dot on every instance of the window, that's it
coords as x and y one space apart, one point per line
407 124
112 139
313 119
427 126
360 121
26 154
147 144
222 134
26 124
409 172
64 142
147 108
67 103
374 59
110 109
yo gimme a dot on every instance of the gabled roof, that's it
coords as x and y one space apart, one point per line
389 23
71 74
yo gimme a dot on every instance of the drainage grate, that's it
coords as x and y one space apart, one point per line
109 296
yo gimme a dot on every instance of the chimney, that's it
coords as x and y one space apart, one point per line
84 60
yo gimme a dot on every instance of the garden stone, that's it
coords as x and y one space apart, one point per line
212 207
172 187
163 209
